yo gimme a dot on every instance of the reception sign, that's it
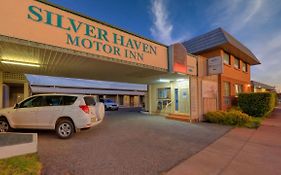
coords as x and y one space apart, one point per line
182 61
39 22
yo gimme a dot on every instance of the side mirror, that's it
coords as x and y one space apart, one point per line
16 106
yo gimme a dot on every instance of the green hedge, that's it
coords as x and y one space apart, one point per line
232 117
257 104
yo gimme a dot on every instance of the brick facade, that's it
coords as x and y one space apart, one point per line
231 75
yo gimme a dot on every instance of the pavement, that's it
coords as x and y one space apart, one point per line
239 152
126 143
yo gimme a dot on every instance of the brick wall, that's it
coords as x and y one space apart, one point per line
231 75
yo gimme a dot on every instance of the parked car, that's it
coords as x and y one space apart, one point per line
109 104
63 113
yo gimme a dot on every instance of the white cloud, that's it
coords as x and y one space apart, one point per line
162 27
256 23
235 14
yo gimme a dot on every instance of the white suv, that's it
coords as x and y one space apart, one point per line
63 113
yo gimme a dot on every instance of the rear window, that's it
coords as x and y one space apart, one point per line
69 100
109 101
90 101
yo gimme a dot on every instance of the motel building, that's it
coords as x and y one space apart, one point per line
184 80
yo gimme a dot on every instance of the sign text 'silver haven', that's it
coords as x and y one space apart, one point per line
89 36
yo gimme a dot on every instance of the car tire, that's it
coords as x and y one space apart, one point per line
64 128
4 125
100 110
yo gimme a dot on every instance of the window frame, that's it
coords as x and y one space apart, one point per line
238 87
224 89
20 106
234 65
246 66
229 58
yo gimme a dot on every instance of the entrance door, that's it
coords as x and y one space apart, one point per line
176 100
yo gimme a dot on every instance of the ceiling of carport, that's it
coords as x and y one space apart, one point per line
56 61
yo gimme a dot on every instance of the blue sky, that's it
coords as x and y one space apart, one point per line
256 23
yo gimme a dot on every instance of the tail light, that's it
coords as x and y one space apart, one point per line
85 108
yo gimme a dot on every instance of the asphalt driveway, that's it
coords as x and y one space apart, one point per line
126 143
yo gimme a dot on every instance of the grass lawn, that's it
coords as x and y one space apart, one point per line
21 165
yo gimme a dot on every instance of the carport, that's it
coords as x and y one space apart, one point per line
43 39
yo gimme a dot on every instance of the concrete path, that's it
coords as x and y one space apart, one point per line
241 151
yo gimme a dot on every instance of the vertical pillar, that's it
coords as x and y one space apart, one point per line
194 97
117 99
150 99
25 90
136 101
146 103
1 90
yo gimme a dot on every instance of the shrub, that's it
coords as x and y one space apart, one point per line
257 104
215 117
232 117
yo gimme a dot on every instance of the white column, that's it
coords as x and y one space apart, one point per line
25 90
1 90
149 99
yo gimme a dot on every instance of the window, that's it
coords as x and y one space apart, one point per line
90 101
236 63
226 58
238 89
164 93
244 67
53 100
227 99
69 100
109 101
226 89
31 102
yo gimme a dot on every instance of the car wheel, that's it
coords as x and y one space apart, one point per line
64 129
4 125
100 108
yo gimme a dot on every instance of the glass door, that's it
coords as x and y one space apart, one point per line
176 100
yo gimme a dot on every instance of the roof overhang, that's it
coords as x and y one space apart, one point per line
236 52
55 61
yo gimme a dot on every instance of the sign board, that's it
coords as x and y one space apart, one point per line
215 65
42 23
191 65
182 61
209 89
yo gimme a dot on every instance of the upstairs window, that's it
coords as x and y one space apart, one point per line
226 58
244 67
236 63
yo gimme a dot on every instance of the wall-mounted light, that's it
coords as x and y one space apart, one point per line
164 81
181 80
20 63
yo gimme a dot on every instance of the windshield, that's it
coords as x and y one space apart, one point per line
108 101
